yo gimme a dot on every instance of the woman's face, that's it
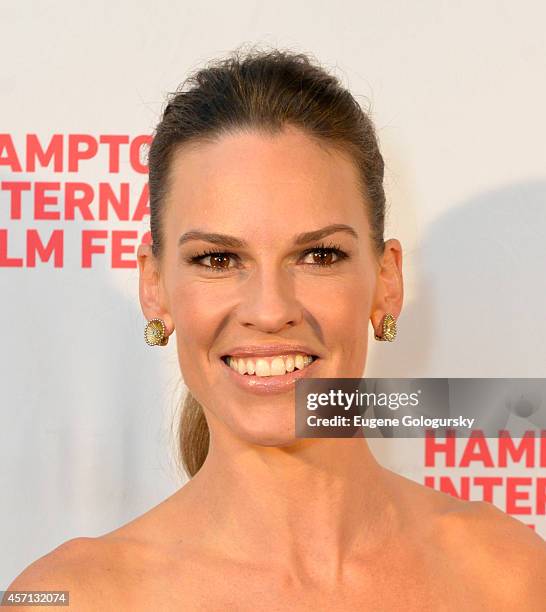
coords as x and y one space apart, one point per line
266 286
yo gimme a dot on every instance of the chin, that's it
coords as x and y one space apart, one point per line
264 432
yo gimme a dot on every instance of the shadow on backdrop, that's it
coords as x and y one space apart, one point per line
478 309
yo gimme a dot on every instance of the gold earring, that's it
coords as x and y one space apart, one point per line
154 333
388 326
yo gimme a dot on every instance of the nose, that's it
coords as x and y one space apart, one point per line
269 303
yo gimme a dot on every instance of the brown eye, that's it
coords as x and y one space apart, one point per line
323 258
219 260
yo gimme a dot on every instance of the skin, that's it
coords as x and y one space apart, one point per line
294 524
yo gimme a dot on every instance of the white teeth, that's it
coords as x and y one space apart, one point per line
241 366
272 366
289 363
262 368
277 367
250 366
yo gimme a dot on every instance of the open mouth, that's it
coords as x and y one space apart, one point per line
263 367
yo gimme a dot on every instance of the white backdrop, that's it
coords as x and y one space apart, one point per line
457 92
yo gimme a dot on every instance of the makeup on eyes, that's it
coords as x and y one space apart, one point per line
325 249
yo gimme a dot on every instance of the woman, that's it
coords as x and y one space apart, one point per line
268 259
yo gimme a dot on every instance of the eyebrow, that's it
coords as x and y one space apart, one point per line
233 242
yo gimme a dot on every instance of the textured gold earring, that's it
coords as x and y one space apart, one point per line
388 326
154 333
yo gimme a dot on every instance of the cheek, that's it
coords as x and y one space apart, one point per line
196 316
344 318
347 309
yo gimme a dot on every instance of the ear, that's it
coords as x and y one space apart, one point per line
151 290
389 290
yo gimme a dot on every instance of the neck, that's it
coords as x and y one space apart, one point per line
315 504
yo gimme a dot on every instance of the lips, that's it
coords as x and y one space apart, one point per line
265 350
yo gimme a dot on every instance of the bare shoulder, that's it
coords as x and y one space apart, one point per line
476 550
501 556
115 571
104 572
83 566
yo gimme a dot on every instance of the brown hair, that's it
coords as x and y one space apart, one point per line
261 90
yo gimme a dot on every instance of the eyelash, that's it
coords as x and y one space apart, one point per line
331 248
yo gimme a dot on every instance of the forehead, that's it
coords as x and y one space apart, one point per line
252 183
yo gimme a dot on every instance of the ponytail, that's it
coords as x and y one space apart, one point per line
193 436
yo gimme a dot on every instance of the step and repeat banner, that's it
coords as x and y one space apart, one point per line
88 410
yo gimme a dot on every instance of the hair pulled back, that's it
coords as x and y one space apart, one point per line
262 90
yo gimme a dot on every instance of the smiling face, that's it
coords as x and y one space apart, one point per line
268 283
